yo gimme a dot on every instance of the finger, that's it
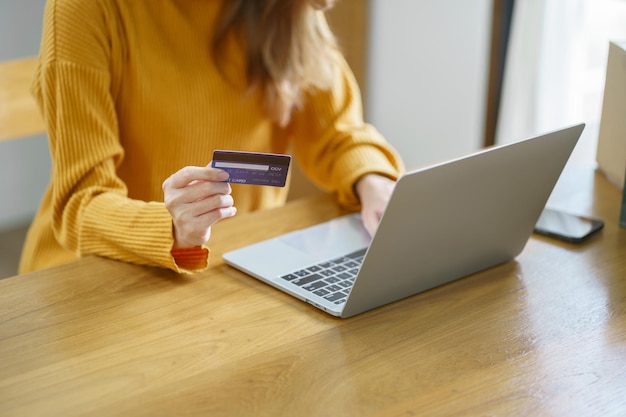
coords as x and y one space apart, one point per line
370 222
188 212
209 204
197 230
189 174
201 190
183 200
218 214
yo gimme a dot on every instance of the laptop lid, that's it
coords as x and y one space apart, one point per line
442 223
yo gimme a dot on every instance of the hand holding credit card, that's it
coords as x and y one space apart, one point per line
252 167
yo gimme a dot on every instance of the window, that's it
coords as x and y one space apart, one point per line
555 68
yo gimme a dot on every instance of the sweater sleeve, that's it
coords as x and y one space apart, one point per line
92 213
333 144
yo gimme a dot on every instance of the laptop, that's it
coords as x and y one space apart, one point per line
442 223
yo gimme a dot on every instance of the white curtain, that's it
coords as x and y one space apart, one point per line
554 73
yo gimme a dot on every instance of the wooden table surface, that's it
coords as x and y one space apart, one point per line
544 335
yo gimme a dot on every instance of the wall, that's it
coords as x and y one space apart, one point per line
427 75
24 163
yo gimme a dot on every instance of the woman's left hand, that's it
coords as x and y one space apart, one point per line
374 192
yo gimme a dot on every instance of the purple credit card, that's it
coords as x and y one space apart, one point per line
253 168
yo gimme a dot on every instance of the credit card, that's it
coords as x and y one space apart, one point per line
252 167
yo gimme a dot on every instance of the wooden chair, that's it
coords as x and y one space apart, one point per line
19 115
19 118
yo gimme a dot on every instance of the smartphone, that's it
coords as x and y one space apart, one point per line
566 226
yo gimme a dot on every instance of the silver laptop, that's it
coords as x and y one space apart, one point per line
442 223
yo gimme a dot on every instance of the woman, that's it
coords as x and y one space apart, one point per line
137 95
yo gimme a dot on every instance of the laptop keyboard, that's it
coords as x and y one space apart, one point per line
332 279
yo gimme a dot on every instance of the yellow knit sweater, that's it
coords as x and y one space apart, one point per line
130 95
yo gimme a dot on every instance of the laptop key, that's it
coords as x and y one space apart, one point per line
335 287
331 279
305 280
336 296
315 285
289 277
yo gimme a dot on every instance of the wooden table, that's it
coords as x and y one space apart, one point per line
544 335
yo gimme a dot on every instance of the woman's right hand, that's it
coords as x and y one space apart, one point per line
197 198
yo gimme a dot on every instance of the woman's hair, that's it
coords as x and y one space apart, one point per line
289 48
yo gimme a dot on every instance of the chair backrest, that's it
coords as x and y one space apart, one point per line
19 114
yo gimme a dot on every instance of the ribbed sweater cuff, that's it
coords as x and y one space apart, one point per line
191 259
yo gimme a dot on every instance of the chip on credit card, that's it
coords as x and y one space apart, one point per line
252 167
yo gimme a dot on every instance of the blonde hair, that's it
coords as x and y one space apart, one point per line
289 49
